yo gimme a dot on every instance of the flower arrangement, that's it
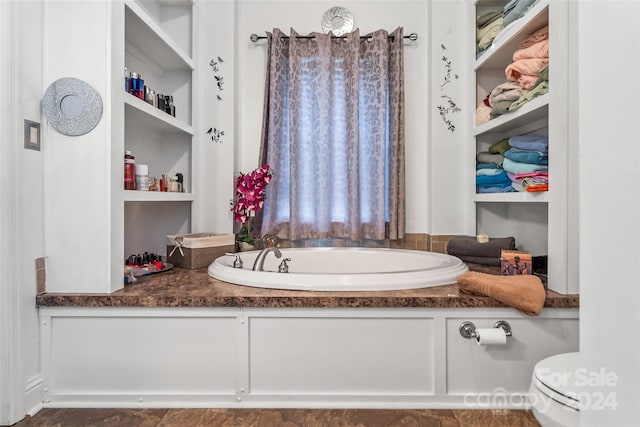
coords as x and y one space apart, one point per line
249 199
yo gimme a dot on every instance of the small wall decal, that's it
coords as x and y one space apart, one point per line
215 135
448 105
215 65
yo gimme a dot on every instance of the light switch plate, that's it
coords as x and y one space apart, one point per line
31 135
41 275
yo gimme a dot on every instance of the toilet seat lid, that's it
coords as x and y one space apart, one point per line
556 377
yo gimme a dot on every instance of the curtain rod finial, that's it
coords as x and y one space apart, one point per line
253 38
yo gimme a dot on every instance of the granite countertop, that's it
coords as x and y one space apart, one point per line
195 288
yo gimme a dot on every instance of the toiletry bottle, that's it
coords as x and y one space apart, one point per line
129 171
137 85
133 83
169 108
164 182
142 177
160 101
148 95
127 80
140 92
180 178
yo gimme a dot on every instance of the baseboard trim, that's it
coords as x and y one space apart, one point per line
230 401
33 395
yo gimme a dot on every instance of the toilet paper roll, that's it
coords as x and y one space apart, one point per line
491 336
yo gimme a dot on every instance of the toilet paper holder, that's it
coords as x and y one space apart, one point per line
468 329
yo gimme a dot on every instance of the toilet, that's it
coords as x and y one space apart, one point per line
553 393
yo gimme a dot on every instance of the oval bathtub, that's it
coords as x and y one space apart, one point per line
343 269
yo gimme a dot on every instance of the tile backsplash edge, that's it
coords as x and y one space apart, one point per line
414 241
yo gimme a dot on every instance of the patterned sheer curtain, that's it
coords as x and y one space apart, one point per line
333 131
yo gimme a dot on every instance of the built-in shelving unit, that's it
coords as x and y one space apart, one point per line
155 39
539 221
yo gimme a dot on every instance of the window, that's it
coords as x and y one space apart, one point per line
333 133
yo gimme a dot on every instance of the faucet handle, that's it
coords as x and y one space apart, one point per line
284 267
237 263
270 240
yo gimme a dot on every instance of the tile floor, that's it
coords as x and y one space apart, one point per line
278 417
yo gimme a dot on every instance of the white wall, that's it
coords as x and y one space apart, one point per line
22 211
447 207
609 200
77 168
216 161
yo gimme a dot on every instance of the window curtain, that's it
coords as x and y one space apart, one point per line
333 131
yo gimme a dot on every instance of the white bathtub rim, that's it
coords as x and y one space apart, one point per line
447 273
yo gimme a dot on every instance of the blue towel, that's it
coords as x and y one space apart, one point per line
525 156
495 189
516 9
487 165
517 167
530 142
488 171
493 179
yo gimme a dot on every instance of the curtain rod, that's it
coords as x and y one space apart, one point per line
254 37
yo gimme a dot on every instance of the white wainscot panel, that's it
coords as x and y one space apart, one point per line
365 356
131 355
473 368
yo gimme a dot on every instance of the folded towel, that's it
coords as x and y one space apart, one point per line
482 260
525 293
527 82
528 66
487 18
469 246
483 114
499 178
486 34
527 157
516 9
495 188
499 108
486 157
507 91
500 147
538 35
488 171
530 142
487 165
519 167
537 50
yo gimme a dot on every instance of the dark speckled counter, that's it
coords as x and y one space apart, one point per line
194 288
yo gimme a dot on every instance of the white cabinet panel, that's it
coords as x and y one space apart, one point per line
472 368
127 355
347 355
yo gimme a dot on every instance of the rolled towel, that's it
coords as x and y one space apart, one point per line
525 293
469 246
482 260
